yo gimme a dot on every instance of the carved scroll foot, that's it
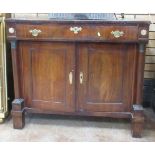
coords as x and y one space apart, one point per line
137 121
18 113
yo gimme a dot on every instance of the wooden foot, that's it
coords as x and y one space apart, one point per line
18 113
137 121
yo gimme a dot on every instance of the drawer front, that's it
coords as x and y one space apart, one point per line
77 32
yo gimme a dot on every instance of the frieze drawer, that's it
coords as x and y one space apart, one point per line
71 32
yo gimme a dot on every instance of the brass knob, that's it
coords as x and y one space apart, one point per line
117 33
35 32
76 29
11 30
143 32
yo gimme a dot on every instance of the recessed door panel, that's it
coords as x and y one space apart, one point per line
48 75
107 77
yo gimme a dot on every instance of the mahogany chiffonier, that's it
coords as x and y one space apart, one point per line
78 67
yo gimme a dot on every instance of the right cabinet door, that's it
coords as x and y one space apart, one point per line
106 77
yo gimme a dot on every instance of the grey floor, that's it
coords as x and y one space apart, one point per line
71 129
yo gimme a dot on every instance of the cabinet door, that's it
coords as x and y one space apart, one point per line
47 75
106 77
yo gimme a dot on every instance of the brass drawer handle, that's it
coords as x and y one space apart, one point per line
35 32
76 29
117 33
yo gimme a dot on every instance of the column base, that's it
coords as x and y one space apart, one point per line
18 113
137 123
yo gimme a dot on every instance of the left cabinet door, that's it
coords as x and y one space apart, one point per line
47 75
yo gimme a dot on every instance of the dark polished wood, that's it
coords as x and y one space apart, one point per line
137 121
45 75
57 31
90 72
108 77
18 113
